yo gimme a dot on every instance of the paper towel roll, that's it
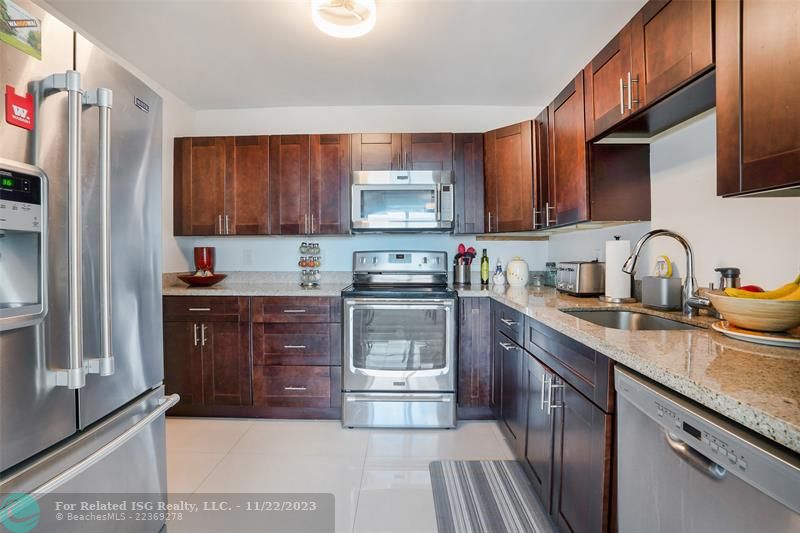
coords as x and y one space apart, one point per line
618 283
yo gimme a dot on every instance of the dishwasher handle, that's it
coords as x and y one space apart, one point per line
695 458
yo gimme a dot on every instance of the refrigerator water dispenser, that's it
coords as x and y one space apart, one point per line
23 228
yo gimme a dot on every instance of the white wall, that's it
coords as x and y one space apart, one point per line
758 235
358 119
281 253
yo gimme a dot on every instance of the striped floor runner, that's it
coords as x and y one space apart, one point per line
486 497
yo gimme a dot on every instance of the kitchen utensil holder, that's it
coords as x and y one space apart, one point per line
462 274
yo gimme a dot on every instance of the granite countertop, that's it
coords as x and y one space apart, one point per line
259 284
755 385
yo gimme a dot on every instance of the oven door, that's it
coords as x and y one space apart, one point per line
399 344
410 207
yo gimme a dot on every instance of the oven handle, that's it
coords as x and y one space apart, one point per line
402 301
399 397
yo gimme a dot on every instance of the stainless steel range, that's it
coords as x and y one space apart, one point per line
399 341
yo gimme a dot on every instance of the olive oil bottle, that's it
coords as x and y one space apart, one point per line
484 268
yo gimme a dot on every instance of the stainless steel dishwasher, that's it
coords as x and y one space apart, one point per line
683 468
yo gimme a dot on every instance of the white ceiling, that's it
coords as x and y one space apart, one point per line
241 54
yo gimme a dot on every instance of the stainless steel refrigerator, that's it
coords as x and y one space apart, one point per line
81 357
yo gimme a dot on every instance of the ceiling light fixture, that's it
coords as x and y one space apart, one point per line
344 18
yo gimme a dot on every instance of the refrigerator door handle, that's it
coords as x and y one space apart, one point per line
73 377
78 468
102 99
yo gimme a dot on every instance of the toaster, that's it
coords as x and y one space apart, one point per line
581 278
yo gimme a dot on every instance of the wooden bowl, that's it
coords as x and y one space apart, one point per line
758 315
201 281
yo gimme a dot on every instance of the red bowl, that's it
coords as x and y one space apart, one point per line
201 281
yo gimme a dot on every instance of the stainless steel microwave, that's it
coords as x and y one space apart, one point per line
402 200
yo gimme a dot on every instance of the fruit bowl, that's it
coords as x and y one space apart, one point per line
201 281
755 314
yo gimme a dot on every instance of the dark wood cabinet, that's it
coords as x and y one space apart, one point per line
568 155
289 172
539 429
330 184
402 151
514 398
671 42
221 186
474 358
758 104
508 169
427 151
246 189
207 353
200 167
581 498
608 85
376 151
543 188
309 184
469 180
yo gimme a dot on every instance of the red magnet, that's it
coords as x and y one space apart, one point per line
19 109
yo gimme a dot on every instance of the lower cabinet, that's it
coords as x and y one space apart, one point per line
207 353
259 357
554 414
474 359
581 463
539 430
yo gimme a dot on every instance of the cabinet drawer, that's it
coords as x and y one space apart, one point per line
297 344
292 386
208 308
588 371
510 322
291 310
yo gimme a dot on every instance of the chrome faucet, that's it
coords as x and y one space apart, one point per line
690 297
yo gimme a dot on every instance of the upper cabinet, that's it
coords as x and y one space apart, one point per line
543 187
427 151
289 168
666 44
672 42
508 168
309 184
330 184
469 180
608 78
568 155
758 102
246 197
406 151
221 185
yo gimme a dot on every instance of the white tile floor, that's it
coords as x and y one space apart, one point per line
379 477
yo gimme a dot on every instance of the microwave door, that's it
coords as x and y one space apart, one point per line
394 207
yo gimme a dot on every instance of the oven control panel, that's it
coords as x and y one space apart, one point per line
400 261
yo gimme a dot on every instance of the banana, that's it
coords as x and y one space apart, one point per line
792 296
768 295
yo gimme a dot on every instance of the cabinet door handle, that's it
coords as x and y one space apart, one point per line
219 224
550 403
507 347
294 346
199 309
490 223
621 97
631 81
312 223
544 384
294 310
227 228
295 388
196 340
508 322
203 338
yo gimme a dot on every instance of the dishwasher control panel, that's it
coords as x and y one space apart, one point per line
724 447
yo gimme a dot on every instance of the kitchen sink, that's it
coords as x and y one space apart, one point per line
629 320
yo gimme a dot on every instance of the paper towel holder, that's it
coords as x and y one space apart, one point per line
612 300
